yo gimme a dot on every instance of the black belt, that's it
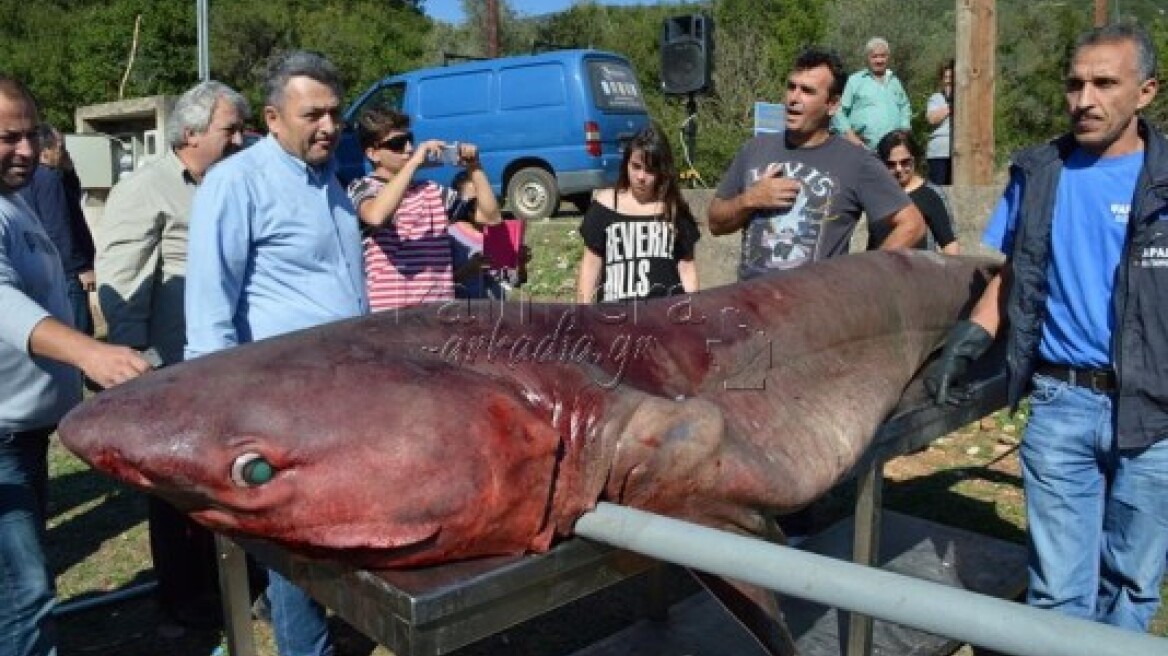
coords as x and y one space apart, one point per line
1099 380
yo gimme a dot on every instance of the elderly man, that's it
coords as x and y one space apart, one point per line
39 382
874 102
50 195
141 264
807 184
275 247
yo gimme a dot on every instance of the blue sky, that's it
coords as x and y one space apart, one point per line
451 10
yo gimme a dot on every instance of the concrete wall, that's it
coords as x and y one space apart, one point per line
717 257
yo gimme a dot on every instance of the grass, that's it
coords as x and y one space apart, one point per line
97 539
556 249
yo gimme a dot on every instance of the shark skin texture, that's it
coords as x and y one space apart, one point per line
475 428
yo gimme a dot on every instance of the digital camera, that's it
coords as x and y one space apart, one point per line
448 156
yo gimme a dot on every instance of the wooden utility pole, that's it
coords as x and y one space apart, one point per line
973 107
492 28
1100 12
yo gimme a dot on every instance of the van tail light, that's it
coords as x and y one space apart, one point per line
592 138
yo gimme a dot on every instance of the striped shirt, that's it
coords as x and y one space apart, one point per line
408 260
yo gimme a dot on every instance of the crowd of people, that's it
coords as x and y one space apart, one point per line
211 246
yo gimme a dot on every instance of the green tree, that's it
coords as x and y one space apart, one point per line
42 63
515 34
77 52
365 39
921 34
1158 26
755 44
102 49
1029 105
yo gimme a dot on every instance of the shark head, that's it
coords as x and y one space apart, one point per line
332 447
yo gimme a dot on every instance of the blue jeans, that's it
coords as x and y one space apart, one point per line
79 300
1097 515
298 622
26 589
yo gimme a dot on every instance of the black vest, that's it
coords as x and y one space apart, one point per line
1140 340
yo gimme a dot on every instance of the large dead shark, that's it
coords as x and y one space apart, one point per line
475 428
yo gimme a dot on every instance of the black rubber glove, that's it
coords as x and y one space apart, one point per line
944 379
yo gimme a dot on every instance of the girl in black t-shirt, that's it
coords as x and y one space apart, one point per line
639 237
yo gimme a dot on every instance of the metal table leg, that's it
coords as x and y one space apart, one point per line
233 586
656 608
865 545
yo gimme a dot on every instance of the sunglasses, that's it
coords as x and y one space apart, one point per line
397 143
906 163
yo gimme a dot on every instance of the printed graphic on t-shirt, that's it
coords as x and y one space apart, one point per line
1154 254
630 250
786 239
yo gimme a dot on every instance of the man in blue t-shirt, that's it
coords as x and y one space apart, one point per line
1085 291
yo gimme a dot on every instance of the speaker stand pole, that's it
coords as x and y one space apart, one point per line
691 124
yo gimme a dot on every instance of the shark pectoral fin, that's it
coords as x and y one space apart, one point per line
756 609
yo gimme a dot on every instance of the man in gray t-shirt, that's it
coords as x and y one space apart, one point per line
797 196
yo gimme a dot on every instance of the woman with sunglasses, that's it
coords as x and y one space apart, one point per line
639 237
408 258
900 154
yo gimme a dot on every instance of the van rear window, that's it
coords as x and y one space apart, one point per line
614 86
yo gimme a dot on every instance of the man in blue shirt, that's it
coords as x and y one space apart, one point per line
274 247
874 102
1084 222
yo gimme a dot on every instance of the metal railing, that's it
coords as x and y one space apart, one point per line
1005 626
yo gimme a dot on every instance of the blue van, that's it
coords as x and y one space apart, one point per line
548 126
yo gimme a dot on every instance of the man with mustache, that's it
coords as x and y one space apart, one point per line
1083 302
275 247
40 353
141 261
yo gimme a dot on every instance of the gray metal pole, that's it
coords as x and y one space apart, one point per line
233 585
204 37
978 619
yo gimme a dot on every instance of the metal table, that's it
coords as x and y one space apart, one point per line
431 610
436 610
913 426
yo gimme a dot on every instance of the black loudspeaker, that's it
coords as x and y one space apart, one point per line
687 52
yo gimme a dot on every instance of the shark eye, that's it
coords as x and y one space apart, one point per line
251 470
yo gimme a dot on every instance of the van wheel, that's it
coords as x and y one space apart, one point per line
532 194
